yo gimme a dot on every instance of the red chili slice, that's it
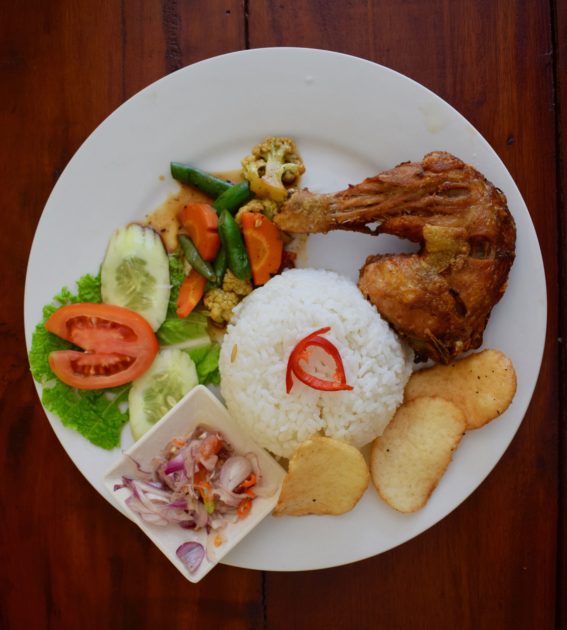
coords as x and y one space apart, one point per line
299 348
299 352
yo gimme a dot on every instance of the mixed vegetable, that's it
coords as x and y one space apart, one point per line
235 232
273 166
134 339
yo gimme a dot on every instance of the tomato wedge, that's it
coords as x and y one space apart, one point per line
119 345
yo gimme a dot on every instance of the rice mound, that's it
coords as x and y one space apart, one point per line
264 330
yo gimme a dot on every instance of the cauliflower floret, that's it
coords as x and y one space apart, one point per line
235 285
267 207
273 166
220 303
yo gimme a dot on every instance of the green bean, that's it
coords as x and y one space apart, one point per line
209 184
220 265
232 241
195 260
233 198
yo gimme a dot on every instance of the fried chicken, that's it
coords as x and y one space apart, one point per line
439 299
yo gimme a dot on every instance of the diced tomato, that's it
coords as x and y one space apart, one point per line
211 445
119 345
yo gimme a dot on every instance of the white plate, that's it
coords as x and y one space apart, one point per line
351 119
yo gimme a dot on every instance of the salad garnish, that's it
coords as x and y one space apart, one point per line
100 415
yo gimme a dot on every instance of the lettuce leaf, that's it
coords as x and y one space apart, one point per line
177 330
97 415
177 273
43 342
88 289
190 334
206 359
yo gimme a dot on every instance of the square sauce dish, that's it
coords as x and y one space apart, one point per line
196 483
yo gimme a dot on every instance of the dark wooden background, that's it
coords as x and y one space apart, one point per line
68 559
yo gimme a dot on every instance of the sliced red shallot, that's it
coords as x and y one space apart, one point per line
200 515
179 503
234 471
175 464
191 554
149 515
260 490
231 499
142 474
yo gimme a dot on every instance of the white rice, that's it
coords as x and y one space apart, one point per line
265 328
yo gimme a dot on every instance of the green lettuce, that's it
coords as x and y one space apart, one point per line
177 273
190 335
206 359
98 415
88 289
179 330
43 342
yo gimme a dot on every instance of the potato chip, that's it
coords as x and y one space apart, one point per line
410 457
325 476
482 385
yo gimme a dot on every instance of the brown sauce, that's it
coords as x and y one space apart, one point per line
234 175
164 218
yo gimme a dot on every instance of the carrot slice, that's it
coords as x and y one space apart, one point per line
200 221
190 293
264 246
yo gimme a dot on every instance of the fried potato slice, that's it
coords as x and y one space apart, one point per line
410 457
325 476
482 385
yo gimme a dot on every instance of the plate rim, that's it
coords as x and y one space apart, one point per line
30 326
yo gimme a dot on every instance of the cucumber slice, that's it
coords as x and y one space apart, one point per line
135 273
151 396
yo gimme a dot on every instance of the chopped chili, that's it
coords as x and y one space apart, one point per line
244 507
205 489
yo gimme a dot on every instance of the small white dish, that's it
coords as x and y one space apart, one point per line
198 407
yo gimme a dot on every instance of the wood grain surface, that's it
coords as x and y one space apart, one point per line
67 558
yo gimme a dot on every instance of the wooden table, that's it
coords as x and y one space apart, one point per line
68 559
